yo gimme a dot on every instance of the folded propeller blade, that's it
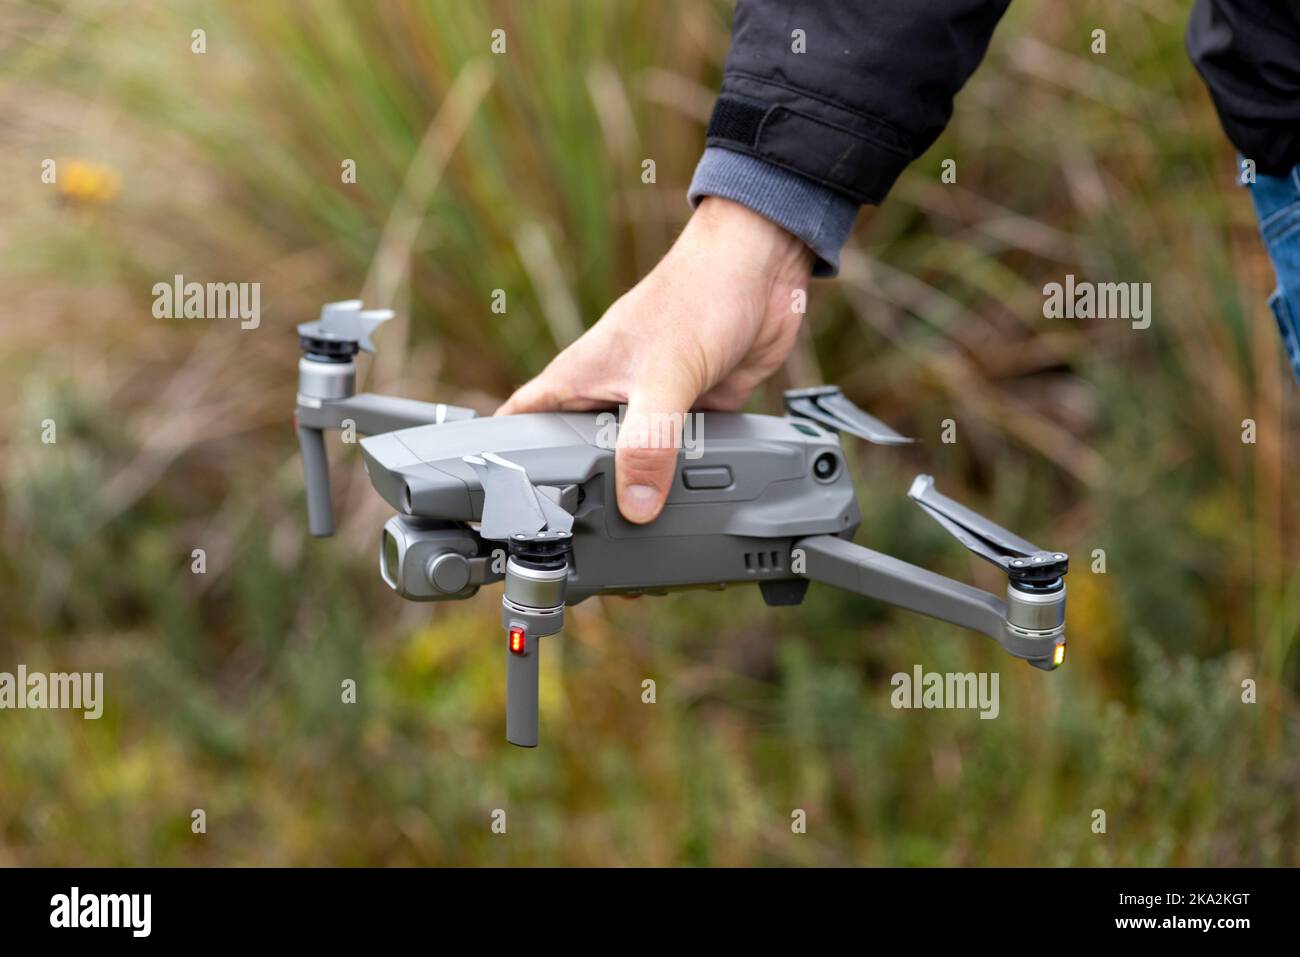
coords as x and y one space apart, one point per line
346 321
828 406
511 503
1021 559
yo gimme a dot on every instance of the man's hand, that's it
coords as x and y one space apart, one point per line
710 322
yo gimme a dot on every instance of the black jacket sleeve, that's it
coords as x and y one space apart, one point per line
1248 53
872 89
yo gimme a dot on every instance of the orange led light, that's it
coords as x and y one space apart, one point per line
1058 655
518 641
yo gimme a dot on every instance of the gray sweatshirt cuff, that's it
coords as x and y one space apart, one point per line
819 216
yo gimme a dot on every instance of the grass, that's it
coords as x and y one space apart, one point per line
522 172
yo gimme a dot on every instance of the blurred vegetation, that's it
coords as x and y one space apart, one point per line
522 172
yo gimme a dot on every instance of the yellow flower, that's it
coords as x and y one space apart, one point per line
87 183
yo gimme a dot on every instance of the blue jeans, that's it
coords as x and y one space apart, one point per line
1277 201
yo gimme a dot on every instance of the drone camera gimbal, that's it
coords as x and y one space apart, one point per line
530 500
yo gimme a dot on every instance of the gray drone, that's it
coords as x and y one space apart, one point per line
530 499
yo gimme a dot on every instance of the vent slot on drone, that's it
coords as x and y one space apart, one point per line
763 561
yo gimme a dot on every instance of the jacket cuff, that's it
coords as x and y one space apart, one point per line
850 153
816 214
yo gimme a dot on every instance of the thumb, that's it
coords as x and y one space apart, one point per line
648 440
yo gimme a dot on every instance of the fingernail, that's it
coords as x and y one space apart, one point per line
639 502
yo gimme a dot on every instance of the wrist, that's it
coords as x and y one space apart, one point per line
750 241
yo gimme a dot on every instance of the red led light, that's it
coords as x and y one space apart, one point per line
518 641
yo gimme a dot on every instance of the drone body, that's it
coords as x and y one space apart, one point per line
758 485
530 500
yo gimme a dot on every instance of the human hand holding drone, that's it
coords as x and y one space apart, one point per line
530 499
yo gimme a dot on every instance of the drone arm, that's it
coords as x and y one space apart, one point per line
316 476
523 679
368 414
327 378
843 564
371 413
